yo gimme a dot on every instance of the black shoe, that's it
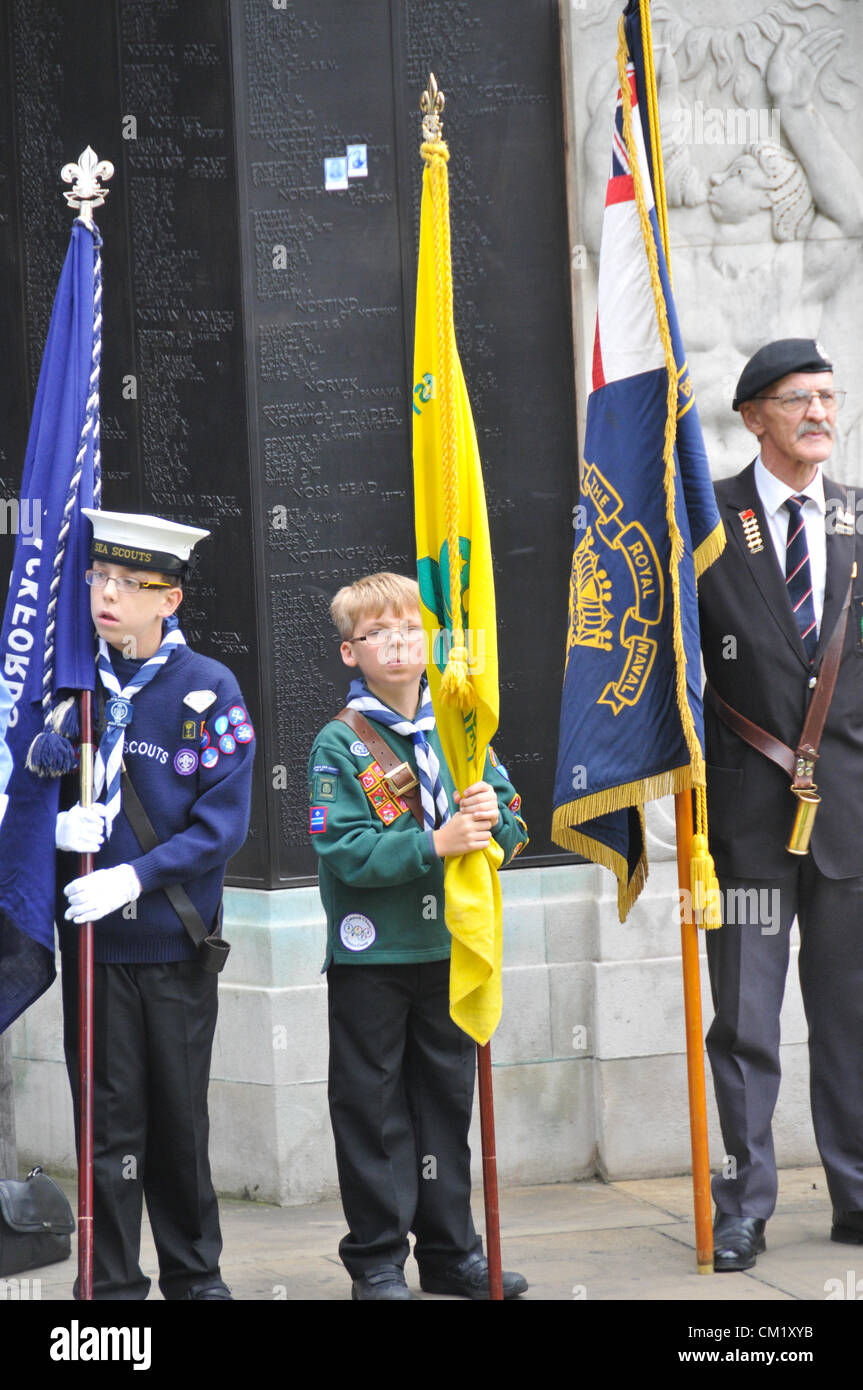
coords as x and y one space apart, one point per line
469 1279
208 1293
388 1282
847 1227
737 1240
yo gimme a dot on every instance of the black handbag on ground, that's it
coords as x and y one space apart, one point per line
36 1223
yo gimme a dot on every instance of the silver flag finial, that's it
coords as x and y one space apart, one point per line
87 192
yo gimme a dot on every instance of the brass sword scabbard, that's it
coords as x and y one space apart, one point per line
808 802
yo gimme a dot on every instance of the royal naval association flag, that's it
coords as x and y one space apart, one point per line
631 725
47 647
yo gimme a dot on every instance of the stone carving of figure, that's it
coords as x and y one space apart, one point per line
768 246
775 242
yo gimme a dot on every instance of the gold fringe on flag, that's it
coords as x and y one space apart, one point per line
704 885
709 550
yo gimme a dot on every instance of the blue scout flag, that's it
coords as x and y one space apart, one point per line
47 643
647 525
5 755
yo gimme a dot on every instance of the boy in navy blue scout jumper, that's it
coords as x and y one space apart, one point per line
178 721
401 1075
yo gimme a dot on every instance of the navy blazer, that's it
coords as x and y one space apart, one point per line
754 659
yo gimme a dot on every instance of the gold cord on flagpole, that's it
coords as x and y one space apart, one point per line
655 134
712 546
671 413
705 888
456 688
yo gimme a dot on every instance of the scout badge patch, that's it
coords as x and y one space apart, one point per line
325 783
387 807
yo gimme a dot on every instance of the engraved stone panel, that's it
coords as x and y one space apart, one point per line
13 399
259 303
149 86
330 286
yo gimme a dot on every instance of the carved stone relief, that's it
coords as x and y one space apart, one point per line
763 155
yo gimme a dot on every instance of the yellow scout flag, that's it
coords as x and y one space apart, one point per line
457 605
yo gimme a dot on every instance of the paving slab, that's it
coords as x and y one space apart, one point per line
584 1241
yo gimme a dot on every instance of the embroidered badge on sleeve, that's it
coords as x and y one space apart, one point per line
325 783
386 806
495 762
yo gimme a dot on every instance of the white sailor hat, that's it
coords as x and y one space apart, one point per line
142 542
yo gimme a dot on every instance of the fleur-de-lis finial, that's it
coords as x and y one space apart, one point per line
431 105
87 192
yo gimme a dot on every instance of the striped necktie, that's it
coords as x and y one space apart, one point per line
798 576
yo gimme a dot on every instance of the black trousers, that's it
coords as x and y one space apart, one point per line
153 1036
748 964
401 1087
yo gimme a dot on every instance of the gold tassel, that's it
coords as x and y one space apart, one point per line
456 688
704 885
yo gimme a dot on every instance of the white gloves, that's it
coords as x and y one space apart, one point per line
82 829
95 895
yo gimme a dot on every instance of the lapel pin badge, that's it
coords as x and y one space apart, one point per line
751 530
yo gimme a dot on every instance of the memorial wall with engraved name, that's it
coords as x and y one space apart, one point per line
259 262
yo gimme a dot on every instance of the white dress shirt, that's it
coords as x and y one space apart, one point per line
773 494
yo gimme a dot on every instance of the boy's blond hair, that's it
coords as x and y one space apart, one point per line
369 596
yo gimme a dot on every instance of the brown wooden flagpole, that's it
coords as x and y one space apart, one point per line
694 1041
85 1033
86 194
489 1172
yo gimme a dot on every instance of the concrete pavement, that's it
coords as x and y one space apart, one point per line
573 1241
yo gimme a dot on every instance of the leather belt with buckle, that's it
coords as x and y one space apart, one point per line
402 779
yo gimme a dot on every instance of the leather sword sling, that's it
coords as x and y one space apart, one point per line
212 948
399 777
799 763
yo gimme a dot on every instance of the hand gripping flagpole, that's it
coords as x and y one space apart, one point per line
455 686
87 194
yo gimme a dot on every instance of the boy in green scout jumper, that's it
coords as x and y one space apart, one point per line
401 1075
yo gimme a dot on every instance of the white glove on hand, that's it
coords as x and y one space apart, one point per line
82 829
95 895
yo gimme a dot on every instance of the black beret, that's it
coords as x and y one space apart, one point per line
776 360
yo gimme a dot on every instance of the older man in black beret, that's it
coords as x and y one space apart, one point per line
781 615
